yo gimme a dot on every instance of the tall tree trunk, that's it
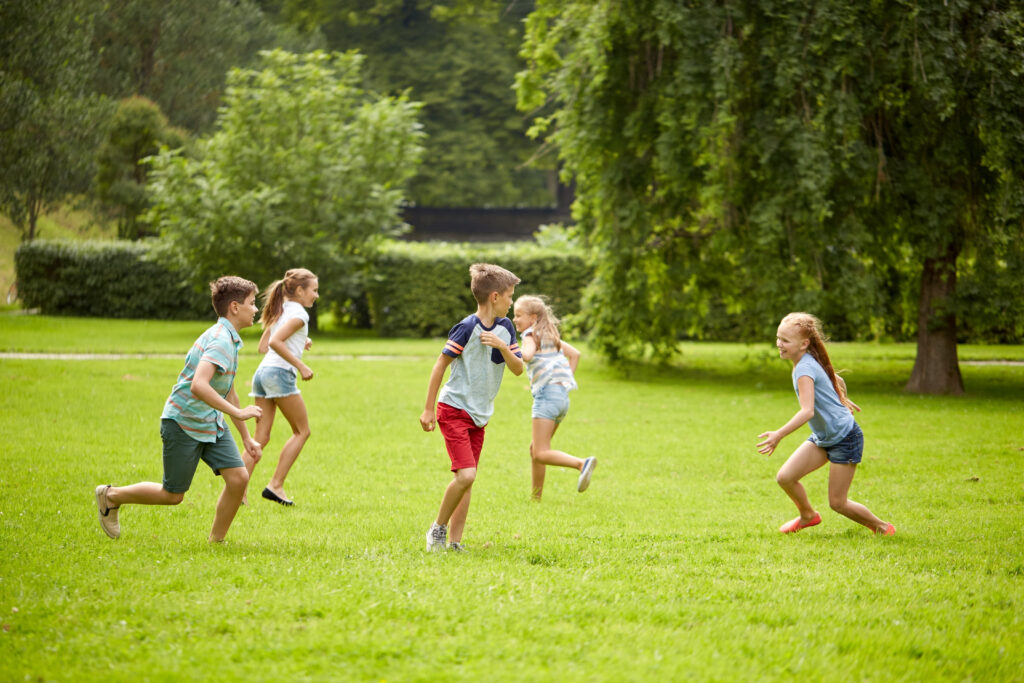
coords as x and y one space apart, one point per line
936 368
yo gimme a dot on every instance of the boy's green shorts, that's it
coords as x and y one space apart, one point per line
182 454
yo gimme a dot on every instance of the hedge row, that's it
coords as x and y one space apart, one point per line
413 288
422 288
115 279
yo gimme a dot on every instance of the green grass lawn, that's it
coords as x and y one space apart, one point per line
669 567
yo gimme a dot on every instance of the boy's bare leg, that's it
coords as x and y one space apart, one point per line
457 490
143 493
235 481
458 520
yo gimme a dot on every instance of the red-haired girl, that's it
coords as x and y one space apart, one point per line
836 438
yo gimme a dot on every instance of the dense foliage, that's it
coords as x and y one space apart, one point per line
753 158
422 289
137 130
306 169
460 59
178 54
50 120
123 279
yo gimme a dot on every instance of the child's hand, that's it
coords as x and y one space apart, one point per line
306 372
427 420
309 343
253 449
492 340
771 440
248 412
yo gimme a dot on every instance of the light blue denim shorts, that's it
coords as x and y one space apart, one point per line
846 452
551 402
270 382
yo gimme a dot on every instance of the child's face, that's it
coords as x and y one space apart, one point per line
503 302
245 311
790 343
523 320
308 295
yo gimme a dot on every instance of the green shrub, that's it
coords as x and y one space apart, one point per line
422 288
109 279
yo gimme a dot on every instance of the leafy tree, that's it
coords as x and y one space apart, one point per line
305 169
177 54
738 160
459 58
137 131
49 122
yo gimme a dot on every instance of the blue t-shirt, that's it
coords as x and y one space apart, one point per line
477 369
832 420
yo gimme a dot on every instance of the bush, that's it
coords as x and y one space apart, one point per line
422 288
111 279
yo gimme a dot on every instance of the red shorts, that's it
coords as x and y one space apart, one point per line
462 437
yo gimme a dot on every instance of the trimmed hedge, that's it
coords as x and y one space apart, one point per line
111 279
420 289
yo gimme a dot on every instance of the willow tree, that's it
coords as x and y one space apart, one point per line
738 160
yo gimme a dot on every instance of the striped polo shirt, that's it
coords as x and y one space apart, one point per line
548 366
218 345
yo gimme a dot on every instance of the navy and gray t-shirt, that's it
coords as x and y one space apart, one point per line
477 369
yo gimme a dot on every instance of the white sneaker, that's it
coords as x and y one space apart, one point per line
108 515
437 537
456 547
588 469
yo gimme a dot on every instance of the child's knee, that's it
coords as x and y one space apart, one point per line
174 498
837 503
783 479
466 476
236 477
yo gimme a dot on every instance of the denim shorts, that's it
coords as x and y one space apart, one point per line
271 382
551 402
846 452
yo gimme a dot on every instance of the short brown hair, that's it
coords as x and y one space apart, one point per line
486 278
230 288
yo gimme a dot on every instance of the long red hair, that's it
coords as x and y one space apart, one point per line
811 329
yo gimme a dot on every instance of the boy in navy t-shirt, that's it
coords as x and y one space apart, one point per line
478 349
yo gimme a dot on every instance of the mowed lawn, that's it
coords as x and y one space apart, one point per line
669 567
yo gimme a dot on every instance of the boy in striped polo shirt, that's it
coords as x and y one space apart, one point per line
478 349
192 426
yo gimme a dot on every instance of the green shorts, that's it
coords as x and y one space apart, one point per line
182 454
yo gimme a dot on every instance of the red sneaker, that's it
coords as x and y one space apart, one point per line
890 530
797 524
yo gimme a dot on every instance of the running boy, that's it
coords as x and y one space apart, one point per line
478 349
192 427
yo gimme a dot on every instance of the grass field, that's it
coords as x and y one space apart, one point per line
670 567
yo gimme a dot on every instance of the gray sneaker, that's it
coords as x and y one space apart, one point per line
456 547
437 537
108 515
588 469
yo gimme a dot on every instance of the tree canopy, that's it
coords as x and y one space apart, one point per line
305 168
460 59
735 161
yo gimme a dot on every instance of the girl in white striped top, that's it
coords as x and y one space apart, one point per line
551 365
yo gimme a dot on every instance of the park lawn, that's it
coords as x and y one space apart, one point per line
670 566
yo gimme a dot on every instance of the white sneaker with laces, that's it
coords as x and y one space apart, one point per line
437 537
